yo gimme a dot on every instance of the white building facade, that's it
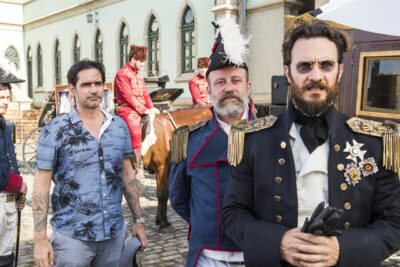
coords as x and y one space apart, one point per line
57 33
49 36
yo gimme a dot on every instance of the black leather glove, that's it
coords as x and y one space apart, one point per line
324 221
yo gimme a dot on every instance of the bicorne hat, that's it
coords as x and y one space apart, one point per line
7 77
230 47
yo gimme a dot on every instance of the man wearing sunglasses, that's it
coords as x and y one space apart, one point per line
311 154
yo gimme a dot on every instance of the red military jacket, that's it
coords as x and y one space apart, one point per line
130 90
198 87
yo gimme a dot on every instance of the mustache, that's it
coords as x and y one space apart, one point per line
315 84
230 95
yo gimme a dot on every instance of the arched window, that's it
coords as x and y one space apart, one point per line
123 45
57 62
98 47
188 41
39 67
12 56
77 49
29 70
154 47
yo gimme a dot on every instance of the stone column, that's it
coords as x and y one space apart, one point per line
226 7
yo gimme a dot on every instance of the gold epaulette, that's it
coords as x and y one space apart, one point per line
390 133
179 141
237 133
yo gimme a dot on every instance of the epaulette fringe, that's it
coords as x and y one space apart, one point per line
179 141
389 131
237 134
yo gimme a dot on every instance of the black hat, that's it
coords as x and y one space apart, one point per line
8 77
230 47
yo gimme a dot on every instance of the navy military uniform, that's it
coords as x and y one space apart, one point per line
197 188
261 199
11 182
8 159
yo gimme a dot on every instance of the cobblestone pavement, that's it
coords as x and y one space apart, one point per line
164 250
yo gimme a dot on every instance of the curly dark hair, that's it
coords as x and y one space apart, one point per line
313 30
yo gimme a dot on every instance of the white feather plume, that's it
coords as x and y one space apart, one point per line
235 44
8 66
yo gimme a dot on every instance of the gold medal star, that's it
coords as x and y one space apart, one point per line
355 151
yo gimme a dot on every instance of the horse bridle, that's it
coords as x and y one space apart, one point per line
172 120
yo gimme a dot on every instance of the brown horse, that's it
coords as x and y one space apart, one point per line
157 158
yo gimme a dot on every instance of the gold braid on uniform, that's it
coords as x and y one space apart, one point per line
179 141
237 134
390 133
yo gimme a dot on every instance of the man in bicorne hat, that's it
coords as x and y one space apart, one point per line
198 182
11 182
133 100
198 86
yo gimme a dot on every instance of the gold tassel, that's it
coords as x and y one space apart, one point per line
389 131
391 150
236 142
179 142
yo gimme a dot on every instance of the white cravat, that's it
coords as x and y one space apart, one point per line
311 174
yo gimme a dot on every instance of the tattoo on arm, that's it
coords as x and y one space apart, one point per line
40 206
132 197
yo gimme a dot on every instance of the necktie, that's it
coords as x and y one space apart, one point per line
314 130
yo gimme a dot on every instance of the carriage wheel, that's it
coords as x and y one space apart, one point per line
29 149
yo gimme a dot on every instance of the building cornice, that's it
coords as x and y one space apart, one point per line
13 1
274 4
11 27
63 14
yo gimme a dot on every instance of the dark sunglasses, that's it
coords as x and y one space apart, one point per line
305 67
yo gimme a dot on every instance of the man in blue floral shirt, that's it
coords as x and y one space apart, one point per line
87 155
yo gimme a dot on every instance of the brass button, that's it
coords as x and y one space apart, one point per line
336 148
277 198
281 161
343 186
278 218
340 167
283 144
278 180
347 225
347 206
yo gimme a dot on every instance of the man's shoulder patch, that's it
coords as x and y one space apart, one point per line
237 134
179 140
389 131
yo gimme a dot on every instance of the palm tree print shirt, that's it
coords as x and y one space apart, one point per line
87 173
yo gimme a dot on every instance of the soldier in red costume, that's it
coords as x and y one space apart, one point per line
198 86
134 100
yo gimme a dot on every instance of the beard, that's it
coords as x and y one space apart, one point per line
316 106
230 109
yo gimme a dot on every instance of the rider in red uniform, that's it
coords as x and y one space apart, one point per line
134 100
198 86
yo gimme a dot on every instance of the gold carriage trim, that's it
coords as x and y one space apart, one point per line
237 134
179 141
390 133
